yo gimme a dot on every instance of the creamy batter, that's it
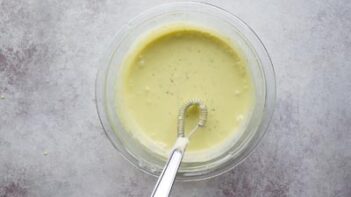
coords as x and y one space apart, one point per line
173 64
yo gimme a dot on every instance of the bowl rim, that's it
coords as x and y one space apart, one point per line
268 107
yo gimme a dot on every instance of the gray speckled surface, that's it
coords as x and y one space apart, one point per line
51 141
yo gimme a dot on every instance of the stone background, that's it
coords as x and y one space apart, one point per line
52 143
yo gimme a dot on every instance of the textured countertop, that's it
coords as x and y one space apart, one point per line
52 143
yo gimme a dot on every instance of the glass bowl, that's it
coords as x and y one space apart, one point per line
202 14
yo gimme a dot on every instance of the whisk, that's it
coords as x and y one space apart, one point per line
167 177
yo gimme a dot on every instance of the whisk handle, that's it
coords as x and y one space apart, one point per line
165 181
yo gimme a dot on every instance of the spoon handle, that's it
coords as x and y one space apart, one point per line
165 181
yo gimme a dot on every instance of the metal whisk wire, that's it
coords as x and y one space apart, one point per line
182 114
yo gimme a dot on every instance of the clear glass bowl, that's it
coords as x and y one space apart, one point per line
209 16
